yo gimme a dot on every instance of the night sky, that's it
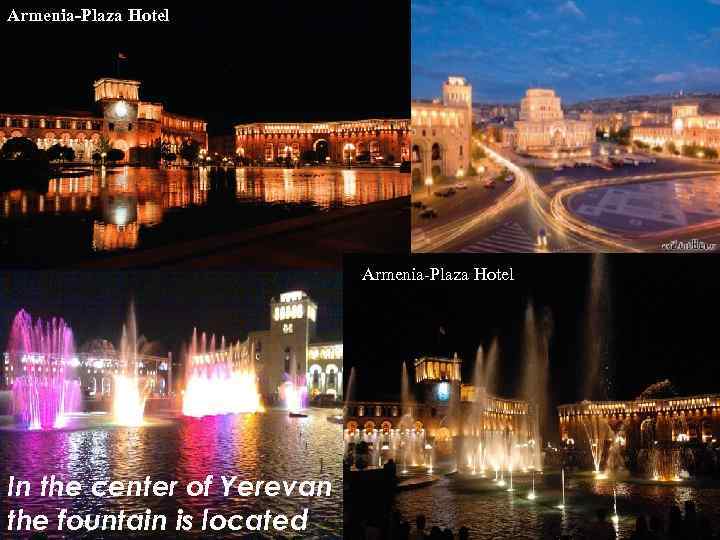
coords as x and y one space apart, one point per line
244 62
582 48
167 304
660 319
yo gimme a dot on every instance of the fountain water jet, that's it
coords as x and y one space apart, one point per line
562 475
293 392
615 517
219 382
129 392
531 495
42 355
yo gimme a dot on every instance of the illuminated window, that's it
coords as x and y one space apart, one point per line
268 152
288 328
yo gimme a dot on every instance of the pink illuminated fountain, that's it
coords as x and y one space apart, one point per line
42 357
293 392
219 380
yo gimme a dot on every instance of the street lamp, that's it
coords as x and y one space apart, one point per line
103 158
429 183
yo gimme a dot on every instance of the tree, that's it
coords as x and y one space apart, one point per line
19 148
309 156
115 154
55 152
621 136
103 144
58 152
711 153
478 152
671 148
190 150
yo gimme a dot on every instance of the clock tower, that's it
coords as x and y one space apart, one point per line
439 379
118 100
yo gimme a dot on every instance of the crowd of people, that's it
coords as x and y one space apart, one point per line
399 529
678 526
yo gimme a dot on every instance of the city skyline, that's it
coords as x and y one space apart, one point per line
583 49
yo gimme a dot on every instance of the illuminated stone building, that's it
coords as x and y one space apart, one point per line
380 141
615 121
645 423
130 125
442 407
688 127
95 365
441 131
544 132
290 348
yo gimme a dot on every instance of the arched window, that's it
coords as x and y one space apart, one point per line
436 151
416 154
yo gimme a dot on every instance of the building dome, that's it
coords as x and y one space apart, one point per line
98 347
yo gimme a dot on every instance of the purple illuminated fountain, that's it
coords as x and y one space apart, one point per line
44 387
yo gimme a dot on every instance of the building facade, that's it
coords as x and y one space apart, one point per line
663 429
128 124
291 350
688 128
95 367
379 141
443 408
441 132
544 132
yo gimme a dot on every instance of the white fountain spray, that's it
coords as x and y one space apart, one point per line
562 472
531 495
615 516
128 396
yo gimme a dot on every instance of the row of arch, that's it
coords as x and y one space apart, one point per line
103 386
324 381
321 147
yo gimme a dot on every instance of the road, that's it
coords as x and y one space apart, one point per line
542 199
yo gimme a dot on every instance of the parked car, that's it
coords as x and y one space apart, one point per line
461 185
428 213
